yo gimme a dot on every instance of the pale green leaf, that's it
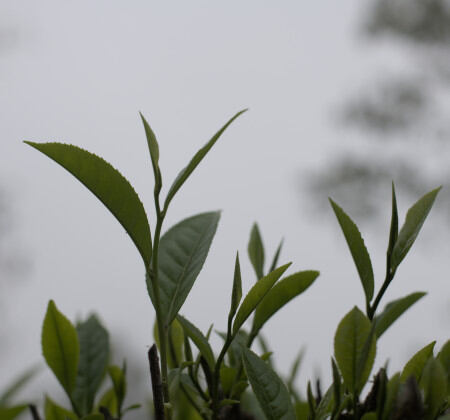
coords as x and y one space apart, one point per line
280 294
194 162
350 349
394 310
414 221
109 186
270 391
358 250
255 296
182 252
60 347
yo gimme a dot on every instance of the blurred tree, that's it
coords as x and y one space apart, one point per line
401 120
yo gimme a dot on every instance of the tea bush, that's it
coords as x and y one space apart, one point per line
192 380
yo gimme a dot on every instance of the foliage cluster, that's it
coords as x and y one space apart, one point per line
192 381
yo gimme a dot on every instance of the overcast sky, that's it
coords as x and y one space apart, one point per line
79 72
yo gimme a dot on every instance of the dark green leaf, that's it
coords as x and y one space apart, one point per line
369 416
434 383
444 357
236 294
415 365
358 250
198 157
153 148
18 384
274 263
325 406
55 412
350 345
94 353
199 340
256 251
182 252
393 233
336 388
280 294
414 221
11 413
60 347
255 296
270 391
118 379
227 377
109 186
93 417
391 396
394 310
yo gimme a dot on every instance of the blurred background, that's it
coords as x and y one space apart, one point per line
344 97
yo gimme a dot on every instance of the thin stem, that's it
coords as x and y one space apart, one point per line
155 374
34 412
389 276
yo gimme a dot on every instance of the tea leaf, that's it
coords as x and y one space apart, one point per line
416 364
153 148
393 233
109 400
256 251
415 218
336 388
118 379
182 252
444 357
227 376
255 296
349 349
198 157
434 383
274 263
358 250
394 310
60 347
326 405
55 412
280 294
391 396
199 340
270 391
94 353
11 413
236 294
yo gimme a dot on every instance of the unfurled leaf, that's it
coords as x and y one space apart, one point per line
434 384
415 365
94 353
393 233
444 357
351 348
394 310
182 252
153 148
274 263
236 294
358 250
415 218
255 295
325 406
280 294
118 379
198 157
199 340
109 186
55 412
256 251
270 391
336 387
60 347
10 413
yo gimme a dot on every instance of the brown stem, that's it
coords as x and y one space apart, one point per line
34 412
106 414
157 387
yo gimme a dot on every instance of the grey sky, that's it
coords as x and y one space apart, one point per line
79 72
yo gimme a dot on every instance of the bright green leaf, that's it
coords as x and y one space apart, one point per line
414 221
94 353
11 413
394 310
55 412
194 162
199 340
109 186
60 347
255 296
270 391
358 250
256 251
280 294
182 252
434 383
416 364
350 345
236 294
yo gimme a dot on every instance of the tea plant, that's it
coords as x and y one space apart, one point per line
215 385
